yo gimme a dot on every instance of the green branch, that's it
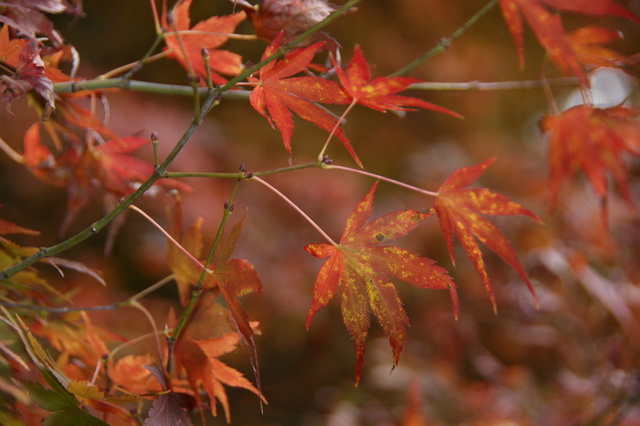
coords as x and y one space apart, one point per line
242 175
445 42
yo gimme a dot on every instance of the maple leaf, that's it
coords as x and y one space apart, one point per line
131 373
593 140
199 360
87 167
81 344
274 95
587 41
359 268
117 171
11 228
547 26
208 34
167 408
460 211
379 93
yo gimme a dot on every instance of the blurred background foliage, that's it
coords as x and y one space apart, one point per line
573 361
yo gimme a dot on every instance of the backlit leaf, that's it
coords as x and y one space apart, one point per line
542 16
460 211
379 93
594 141
275 96
359 270
199 360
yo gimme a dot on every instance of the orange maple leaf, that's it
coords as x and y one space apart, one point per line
593 140
130 373
186 47
547 26
379 93
199 360
587 43
359 268
459 211
81 344
274 95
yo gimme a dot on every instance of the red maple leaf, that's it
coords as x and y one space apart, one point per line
460 211
199 360
274 95
11 228
359 268
547 26
379 93
209 34
593 140
88 167
587 43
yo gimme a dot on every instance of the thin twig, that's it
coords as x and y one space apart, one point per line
380 177
296 208
195 295
11 152
169 237
496 85
445 42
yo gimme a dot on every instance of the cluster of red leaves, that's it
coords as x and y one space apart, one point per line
593 140
196 351
583 137
89 166
97 161
274 94
81 346
568 52
278 91
359 268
